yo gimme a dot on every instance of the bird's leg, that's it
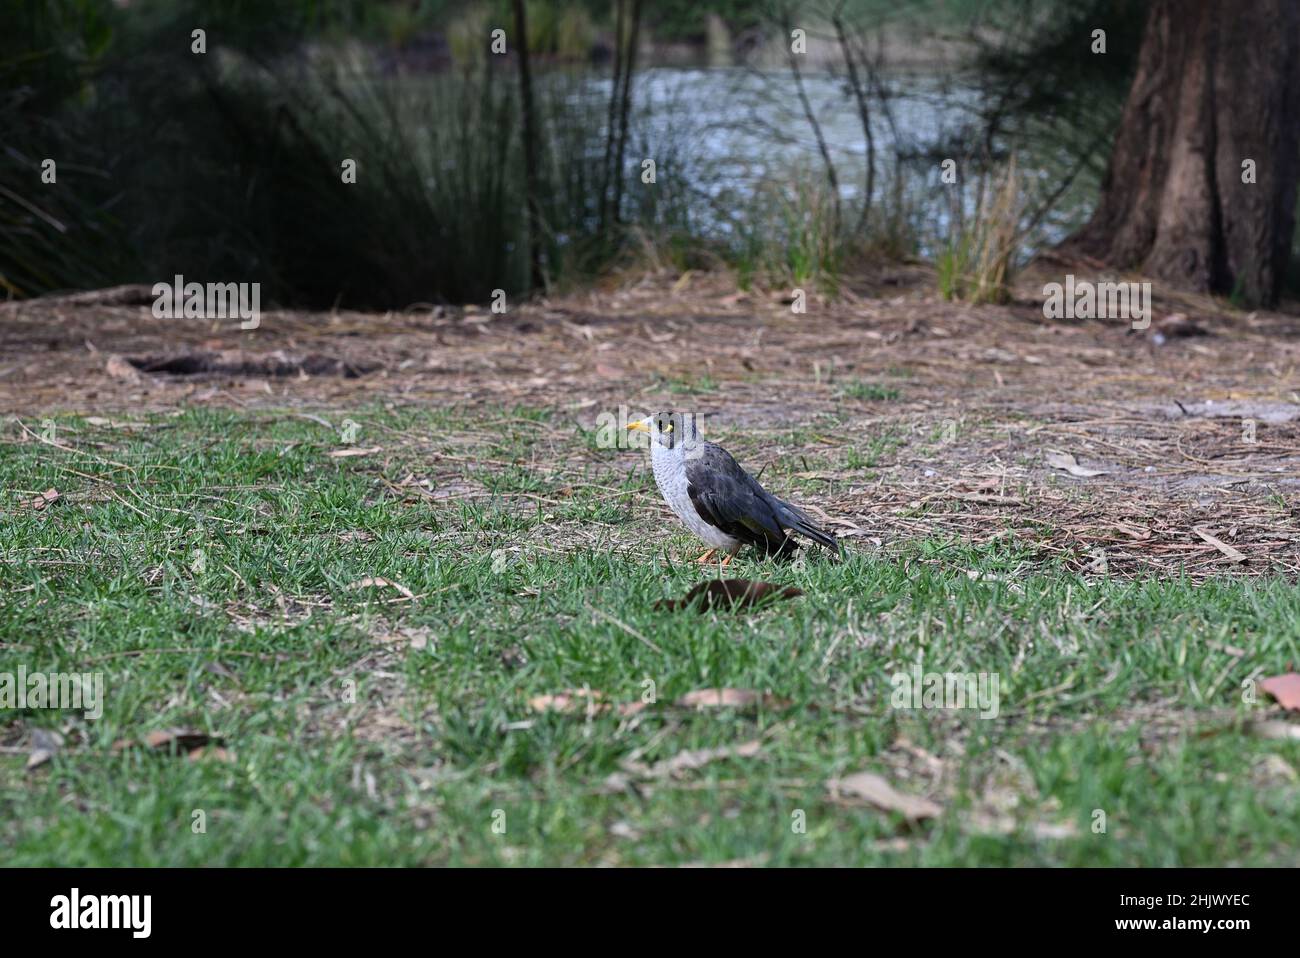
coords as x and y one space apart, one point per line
706 557
730 555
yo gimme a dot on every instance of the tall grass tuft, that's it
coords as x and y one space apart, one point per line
59 228
787 235
229 167
977 263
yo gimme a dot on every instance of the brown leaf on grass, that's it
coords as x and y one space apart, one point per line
172 741
186 739
733 594
1064 460
45 745
210 754
582 702
875 790
44 499
380 583
690 760
349 451
1284 688
728 698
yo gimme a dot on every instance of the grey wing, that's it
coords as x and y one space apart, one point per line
728 497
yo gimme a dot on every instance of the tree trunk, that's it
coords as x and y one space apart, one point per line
629 66
536 278
1217 85
611 131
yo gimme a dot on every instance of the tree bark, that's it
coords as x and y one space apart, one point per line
611 131
1217 84
531 182
864 113
625 108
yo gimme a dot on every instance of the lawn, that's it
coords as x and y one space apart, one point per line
366 639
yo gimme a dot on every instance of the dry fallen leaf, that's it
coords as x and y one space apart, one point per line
187 739
874 789
45 745
210 754
728 698
733 594
170 741
44 499
1219 544
581 702
690 760
1284 688
416 637
350 451
1064 460
377 582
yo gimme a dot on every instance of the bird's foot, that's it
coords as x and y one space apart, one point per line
727 561
706 557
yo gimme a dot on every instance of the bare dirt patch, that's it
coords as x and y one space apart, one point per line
957 412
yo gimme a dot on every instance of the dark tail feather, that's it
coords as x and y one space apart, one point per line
817 535
800 523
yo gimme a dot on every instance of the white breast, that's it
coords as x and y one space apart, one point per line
670 477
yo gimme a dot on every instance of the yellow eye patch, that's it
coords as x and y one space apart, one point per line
668 427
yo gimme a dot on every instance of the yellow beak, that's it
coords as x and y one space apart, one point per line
641 425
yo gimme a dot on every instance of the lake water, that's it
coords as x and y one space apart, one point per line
732 128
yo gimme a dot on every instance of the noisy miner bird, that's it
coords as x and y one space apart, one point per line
715 498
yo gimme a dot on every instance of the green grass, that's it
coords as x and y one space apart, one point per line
539 576
698 386
868 456
871 392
